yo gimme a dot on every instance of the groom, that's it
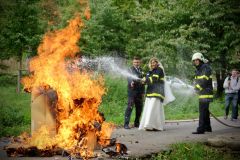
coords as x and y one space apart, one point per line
135 93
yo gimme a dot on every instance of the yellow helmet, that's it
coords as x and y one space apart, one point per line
197 55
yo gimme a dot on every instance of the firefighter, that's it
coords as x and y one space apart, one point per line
204 89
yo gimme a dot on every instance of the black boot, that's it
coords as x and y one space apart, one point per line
126 126
136 125
198 132
209 129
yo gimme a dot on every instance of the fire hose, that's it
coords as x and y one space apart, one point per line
222 121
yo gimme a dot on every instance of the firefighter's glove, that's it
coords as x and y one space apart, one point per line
132 84
143 80
196 90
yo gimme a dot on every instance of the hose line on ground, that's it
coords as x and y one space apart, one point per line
222 121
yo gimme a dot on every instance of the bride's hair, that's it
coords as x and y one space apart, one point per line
155 60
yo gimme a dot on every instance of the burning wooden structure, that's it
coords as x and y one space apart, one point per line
16 149
65 102
43 113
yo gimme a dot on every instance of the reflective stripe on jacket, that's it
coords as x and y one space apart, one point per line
155 83
203 82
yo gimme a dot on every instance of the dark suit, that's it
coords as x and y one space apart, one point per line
135 97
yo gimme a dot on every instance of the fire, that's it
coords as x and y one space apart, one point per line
79 94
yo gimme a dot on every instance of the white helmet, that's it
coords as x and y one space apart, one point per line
197 55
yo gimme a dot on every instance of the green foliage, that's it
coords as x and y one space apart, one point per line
66 10
169 30
105 32
172 31
194 151
20 28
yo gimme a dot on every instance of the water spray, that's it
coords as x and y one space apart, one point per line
107 65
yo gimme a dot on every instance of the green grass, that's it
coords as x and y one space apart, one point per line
186 107
15 108
115 101
15 111
194 151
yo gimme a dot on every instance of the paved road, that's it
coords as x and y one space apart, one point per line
142 143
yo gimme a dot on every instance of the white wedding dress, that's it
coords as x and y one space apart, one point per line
153 116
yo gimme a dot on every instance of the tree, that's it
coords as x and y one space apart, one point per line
170 30
20 30
221 20
106 31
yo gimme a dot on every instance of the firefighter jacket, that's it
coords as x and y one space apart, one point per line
155 83
138 87
203 82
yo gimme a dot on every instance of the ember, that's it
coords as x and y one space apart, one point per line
116 149
74 124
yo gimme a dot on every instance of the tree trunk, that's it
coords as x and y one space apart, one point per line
221 74
19 72
220 80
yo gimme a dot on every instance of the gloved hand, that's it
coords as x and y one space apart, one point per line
132 84
143 80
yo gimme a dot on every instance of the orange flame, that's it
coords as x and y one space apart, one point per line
79 94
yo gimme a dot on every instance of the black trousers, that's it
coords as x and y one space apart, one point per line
136 101
204 117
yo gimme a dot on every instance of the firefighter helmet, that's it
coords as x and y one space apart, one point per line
197 55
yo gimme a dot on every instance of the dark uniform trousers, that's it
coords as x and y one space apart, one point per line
136 101
204 119
203 86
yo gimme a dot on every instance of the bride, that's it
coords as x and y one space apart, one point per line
158 94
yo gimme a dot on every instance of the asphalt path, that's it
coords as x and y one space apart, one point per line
142 143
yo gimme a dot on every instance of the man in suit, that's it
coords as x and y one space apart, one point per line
135 93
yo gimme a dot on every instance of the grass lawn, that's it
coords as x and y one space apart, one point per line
15 111
15 108
195 151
